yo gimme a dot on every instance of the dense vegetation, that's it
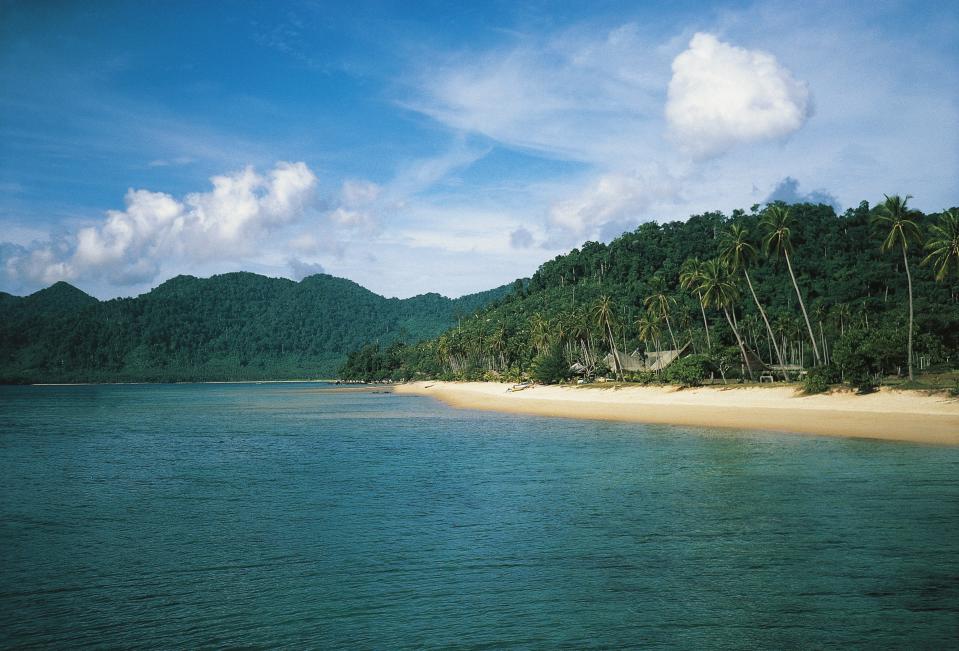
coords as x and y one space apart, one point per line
797 287
229 327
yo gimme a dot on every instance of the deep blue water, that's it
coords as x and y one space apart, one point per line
292 515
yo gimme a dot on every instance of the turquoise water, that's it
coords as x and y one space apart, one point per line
297 516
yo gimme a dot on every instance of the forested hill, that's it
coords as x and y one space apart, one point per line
228 327
643 291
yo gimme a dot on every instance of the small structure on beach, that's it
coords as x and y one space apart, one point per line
650 361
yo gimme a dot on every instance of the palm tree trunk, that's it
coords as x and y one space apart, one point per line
769 329
909 280
802 305
675 347
739 340
702 308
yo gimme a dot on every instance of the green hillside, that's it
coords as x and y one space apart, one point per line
628 295
229 327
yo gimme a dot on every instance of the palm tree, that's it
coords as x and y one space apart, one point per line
719 290
777 222
819 311
659 302
895 215
737 252
604 311
539 332
649 329
943 246
689 275
843 313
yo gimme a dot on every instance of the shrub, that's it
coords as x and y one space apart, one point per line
818 380
550 367
689 371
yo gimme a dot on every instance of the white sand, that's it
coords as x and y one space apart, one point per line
885 414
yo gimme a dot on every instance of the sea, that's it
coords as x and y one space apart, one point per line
313 516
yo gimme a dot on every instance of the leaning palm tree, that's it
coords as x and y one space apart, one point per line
943 245
719 290
777 222
689 275
659 302
737 252
604 311
895 216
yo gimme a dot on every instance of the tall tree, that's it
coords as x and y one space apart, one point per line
777 222
649 329
737 253
689 276
604 311
901 225
659 302
943 244
719 291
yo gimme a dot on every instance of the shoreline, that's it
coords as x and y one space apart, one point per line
887 414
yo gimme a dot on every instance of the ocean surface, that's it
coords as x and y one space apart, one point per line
300 516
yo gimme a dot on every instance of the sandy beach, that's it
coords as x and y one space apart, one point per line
886 414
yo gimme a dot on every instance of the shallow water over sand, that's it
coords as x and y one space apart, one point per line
271 515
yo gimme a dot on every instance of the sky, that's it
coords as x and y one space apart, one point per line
448 147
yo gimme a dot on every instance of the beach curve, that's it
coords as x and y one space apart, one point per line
885 414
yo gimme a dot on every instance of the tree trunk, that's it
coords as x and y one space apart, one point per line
909 280
675 347
802 305
769 329
739 340
709 344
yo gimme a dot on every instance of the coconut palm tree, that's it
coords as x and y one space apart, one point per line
659 302
737 252
719 291
539 332
900 223
943 245
777 222
843 314
604 311
689 275
650 329
819 312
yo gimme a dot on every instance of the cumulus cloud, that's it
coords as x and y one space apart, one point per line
610 204
130 245
788 191
301 269
721 95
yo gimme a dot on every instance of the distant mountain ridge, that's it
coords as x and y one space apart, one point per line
232 326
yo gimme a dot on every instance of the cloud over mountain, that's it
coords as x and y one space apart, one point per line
129 245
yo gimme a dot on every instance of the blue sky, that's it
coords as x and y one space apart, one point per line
423 146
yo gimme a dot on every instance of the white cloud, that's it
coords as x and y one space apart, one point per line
609 202
130 245
578 95
359 207
721 95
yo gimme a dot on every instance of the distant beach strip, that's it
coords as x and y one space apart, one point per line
886 414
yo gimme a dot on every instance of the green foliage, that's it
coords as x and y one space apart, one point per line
819 379
550 367
863 356
237 326
689 371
